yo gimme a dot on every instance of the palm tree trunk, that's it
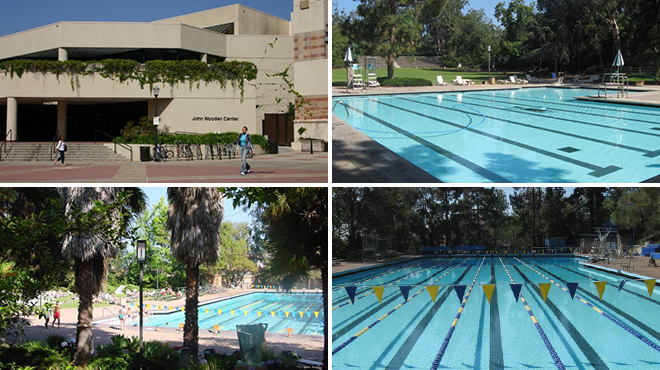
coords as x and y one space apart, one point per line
191 328
84 338
326 327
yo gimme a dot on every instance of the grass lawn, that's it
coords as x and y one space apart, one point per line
448 74
74 304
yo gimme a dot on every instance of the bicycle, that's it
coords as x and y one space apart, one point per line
187 152
209 151
200 155
162 154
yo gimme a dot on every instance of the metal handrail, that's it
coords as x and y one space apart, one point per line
3 146
187 133
114 141
344 105
52 145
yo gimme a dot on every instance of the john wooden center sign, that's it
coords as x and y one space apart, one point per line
214 118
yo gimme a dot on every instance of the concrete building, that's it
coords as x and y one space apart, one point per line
39 105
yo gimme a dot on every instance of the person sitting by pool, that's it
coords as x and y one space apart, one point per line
652 262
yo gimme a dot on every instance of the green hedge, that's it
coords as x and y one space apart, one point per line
165 138
404 81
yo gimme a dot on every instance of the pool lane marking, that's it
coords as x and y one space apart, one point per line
504 99
597 171
546 341
444 152
617 322
496 353
381 275
251 304
445 343
572 103
647 152
396 281
356 336
583 344
351 322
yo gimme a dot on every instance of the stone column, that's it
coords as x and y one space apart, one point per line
62 54
12 118
61 117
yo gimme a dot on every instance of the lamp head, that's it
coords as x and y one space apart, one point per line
141 251
156 90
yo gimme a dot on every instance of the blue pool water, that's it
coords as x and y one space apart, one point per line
301 312
522 135
621 331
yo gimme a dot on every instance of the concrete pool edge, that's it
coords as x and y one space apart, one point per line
616 272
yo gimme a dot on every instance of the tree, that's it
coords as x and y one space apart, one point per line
234 263
297 223
520 24
98 219
391 27
194 217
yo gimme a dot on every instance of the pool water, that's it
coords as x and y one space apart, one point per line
301 312
621 331
520 135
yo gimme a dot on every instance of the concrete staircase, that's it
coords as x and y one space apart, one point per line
77 152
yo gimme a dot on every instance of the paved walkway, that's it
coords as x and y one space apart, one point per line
289 167
307 346
641 267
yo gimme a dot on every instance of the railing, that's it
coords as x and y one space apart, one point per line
617 80
187 133
112 314
3 146
52 145
344 105
127 147
631 69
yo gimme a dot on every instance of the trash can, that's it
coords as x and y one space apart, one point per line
273 147
492 80
553 75
145 154
251 341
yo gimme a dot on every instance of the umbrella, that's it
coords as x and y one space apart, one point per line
348 57
618 61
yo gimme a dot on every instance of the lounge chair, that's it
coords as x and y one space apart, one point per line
559 81
576 79
441 82
357 81
532 79
592 79
372 80
515 80
459 81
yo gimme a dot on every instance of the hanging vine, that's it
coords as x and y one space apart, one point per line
150 73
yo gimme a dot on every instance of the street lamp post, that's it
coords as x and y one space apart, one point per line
488 63
156 121
141 259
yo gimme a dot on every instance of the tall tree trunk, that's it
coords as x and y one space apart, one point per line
191 328
390 66
326 326
84 338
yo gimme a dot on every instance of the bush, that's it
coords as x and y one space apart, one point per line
166 138
404 81
450 64
32 354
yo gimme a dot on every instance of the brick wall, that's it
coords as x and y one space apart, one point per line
316 107
309 46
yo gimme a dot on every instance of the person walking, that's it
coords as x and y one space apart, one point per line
245 142
56 314
122 317
61 147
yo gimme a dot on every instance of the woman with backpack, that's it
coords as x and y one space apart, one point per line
61 147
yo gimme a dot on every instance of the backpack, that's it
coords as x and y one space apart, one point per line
65 147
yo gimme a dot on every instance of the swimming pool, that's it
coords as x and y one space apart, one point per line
301 312
619 331
520 135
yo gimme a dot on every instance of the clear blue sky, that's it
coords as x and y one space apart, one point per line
17 16
231 214
487 5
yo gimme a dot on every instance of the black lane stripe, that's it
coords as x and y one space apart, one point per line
409 344
610 284
528 113
357 321
597 171
444 152
655 334
594 359
647 153
496 354
549 102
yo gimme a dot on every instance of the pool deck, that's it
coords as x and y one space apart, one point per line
352 265
356 158
641 267
309 347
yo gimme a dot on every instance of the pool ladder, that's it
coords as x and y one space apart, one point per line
618 80
344 105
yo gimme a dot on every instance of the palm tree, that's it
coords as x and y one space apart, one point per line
90 242
194 216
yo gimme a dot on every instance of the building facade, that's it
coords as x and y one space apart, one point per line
37 106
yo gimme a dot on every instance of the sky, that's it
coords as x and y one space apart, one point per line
487 5
17 16
231 214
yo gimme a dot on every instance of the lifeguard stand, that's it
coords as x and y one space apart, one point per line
372 77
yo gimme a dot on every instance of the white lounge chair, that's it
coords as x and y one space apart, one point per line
459 81
559 81
592 79
441 82
514 79
372 80
576 79
532 79
357 81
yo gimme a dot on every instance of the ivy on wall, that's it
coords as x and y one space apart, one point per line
150 73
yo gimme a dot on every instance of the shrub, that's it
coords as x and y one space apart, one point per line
404 81
205 139
32 354
450 64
